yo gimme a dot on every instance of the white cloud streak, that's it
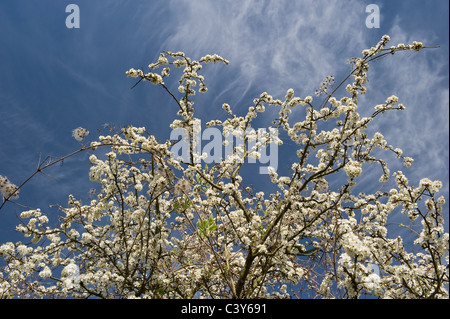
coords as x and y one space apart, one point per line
275 44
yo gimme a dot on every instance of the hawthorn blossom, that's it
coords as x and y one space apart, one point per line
182 187
353 169
325 85
45 273
8 189
160 228
80 133
407 161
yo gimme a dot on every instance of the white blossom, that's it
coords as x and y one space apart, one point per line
8 189
182 187
45 273
157 227
353 169
80 133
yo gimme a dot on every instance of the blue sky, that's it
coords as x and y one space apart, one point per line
54 79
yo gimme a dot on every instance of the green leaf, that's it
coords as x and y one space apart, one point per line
187 203
206 227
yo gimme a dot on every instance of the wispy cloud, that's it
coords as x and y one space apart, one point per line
277 44
274 45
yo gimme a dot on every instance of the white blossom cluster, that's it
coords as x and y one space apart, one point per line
325 85
8 189
161 228
80 133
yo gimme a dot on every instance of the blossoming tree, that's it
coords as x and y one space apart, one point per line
167 228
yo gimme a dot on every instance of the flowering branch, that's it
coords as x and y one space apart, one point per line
164 228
